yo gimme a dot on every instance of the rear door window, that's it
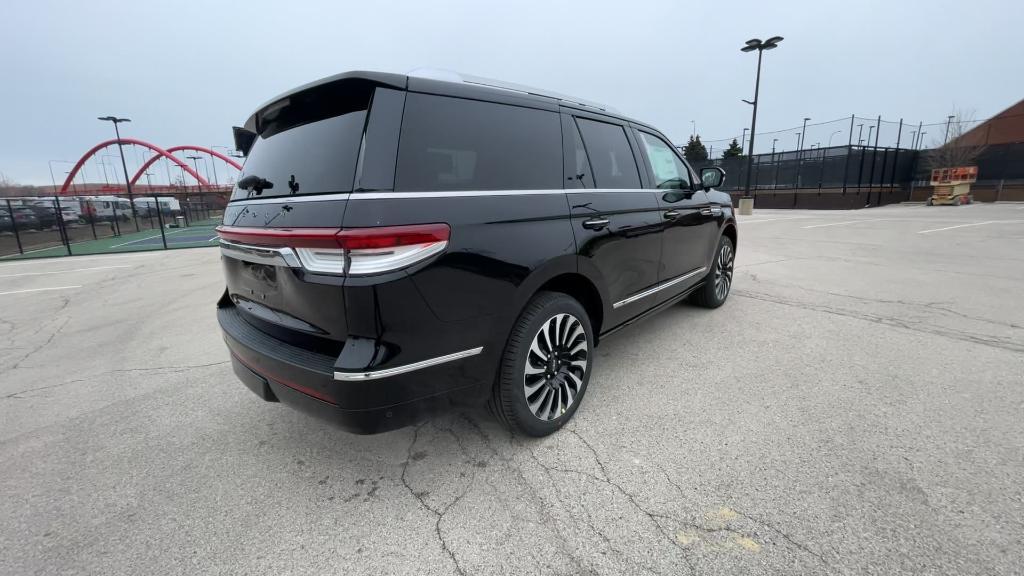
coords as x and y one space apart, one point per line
611 157
457 144
309 143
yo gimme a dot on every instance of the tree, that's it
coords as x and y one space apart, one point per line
733 150
957 151
695 150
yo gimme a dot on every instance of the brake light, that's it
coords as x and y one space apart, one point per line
352 251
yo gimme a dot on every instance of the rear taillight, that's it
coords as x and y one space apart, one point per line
352 251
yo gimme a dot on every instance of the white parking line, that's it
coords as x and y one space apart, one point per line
957 226
741 221
843 223
38 290
62 271
57 259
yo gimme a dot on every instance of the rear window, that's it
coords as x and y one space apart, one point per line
611 158
457 144
308 143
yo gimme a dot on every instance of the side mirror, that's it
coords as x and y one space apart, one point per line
712 177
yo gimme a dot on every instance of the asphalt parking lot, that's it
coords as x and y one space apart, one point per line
854 408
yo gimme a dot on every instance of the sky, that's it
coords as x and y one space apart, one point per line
185 72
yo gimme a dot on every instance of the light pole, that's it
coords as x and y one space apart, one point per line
750 46
128 185
803 132
949 119
870 128
52 179
743 138
920 139
774 140
694 123
830 137
860 134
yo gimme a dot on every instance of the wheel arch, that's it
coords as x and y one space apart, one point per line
583 290
729 231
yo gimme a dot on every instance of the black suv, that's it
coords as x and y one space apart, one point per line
401 243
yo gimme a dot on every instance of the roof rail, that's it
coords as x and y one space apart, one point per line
451 76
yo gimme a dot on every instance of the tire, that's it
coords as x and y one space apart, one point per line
541 402
718 282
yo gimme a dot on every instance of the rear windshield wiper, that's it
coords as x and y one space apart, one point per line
254 183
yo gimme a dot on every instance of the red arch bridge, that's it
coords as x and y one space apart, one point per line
158 154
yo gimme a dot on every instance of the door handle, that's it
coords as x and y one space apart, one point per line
705 212
596 223
672 214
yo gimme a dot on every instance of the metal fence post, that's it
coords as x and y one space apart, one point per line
14 226
160 220
60 225
849 151
896 157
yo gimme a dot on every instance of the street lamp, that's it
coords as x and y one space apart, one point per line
128 185
774 140
750 46
803 132
860 134
743 139
195 162
949 119
920 139
870 128
831 135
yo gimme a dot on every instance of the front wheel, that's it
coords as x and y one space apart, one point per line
718 282
545 367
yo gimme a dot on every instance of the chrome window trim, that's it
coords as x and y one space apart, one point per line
658 287
259 254
387 372
435 194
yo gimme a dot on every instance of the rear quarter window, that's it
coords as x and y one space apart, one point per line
457 144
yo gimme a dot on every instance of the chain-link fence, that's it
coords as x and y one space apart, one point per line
46 226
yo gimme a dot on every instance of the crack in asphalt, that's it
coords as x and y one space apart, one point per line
168 370
420 497
911 325
36 349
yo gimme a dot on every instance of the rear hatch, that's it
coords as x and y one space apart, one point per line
290 200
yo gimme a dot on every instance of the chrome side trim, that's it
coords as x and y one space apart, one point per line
374 375
259 254
433 194
659 287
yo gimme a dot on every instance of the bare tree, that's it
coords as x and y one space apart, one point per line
957 151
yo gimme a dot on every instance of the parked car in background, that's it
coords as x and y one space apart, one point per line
146 206
6 224
454 242
25 218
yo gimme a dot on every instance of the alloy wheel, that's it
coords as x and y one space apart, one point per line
555 366
723 272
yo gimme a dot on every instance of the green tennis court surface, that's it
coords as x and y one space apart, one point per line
190 237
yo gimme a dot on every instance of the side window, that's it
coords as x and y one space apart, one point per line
669 171
610 155
457 144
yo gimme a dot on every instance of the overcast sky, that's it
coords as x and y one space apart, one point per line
185 72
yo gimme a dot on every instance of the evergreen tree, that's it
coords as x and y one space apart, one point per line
733 150
695 150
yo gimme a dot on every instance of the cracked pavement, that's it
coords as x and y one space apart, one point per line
855 408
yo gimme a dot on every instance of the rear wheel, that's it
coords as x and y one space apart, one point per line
718 282
545 367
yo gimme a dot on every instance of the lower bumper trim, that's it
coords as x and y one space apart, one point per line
376 374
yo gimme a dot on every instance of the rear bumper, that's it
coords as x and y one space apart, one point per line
361 402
